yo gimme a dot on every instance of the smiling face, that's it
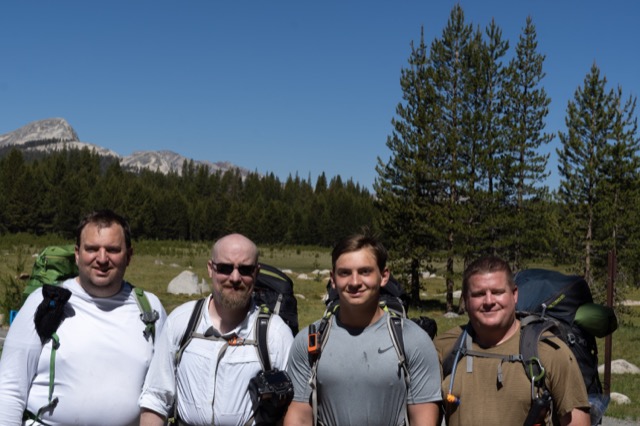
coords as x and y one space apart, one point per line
491 304
357 278
102 258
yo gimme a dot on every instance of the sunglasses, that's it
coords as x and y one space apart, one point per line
227 269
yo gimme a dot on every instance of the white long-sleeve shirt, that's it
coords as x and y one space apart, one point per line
208 392
99 368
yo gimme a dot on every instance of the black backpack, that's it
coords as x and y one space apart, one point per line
563 304
274 289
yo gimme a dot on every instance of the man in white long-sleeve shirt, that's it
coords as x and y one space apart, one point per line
210 384
103 352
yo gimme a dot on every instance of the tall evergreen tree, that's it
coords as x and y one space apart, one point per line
590 121
618 196
526 107
406 187
451 59
484 131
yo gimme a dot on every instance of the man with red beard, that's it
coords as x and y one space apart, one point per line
209 385
488 384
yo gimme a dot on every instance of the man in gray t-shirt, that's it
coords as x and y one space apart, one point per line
358 376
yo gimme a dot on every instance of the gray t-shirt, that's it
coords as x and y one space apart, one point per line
359 381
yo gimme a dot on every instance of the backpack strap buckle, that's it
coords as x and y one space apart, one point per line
235 341
535 369
149 317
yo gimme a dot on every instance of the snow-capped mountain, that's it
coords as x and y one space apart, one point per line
55 134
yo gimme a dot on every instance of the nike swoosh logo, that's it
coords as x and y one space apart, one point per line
380 350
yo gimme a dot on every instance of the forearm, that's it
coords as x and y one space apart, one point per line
576 417
425 414
150 418
299 414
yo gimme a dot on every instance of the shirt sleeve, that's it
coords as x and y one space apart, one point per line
299 368
564 378
424 367
159 387
19 362
279 342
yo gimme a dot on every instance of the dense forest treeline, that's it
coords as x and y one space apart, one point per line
51 194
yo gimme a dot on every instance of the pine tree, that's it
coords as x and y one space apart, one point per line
484 130
406 189
525 168
450 60
590 121
617 197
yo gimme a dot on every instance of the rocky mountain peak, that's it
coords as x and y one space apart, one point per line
51 129
55 134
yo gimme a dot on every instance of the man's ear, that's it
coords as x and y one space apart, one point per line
385 277
129 255
210 268
332 281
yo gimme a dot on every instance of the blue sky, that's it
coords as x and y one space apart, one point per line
280 86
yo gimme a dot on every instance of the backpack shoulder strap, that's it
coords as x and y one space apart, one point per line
457 351
47 319
317 339
261 328
194 319
532 329
148 315
394 324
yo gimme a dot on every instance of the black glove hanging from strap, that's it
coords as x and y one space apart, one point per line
50 312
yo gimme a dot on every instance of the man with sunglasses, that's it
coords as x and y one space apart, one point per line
205 381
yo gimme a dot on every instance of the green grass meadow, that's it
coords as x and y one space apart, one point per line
156 263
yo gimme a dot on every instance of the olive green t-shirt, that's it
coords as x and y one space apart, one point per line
486 401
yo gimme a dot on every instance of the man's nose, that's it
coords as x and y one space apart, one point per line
354 278
235 276
102 256
488 298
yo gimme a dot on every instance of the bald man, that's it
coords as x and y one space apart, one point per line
210 383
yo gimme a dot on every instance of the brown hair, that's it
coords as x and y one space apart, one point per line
357 242
104 219
485 265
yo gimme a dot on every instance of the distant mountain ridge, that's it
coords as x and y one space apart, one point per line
54 134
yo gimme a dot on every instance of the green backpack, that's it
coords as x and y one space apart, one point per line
52 266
